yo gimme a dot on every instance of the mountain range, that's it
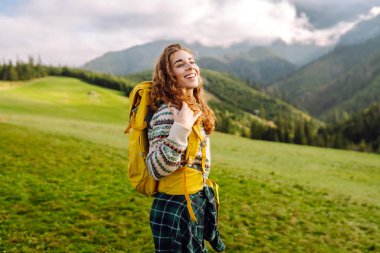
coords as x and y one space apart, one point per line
327 82
257 65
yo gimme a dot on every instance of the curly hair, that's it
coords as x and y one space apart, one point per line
165 89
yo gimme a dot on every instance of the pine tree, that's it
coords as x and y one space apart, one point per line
2 68
299 134
256 131
10 72
308 134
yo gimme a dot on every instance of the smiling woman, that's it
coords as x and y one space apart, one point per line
185 71
184 211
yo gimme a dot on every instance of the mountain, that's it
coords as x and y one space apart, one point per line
143 57
258 65
127 61
346 80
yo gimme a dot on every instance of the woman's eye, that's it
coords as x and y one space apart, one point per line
180 65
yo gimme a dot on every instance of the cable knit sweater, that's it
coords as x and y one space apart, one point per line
168 143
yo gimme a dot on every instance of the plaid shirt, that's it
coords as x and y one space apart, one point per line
172 229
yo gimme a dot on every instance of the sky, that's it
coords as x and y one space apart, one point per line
72 32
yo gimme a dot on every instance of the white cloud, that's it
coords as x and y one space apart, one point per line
74 31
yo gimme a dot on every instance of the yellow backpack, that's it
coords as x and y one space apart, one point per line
183 181
139 117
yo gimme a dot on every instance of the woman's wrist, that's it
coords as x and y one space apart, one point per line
179 134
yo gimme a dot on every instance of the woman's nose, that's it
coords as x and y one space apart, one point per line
189 66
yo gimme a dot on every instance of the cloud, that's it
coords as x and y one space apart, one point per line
330 35
75 31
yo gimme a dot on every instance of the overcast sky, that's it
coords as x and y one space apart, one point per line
72 32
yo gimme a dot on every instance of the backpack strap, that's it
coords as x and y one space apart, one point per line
195 139
139 95
188 200
203 144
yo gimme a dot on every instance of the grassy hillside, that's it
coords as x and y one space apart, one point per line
64 187
63 98
234 92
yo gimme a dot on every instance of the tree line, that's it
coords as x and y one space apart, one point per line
21 71
361 132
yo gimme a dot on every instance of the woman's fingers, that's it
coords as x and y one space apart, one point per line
184 105
185 116
174 111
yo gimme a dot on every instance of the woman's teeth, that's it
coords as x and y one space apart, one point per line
190 76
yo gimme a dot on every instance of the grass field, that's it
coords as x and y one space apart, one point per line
63 185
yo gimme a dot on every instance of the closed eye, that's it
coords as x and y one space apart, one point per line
183 64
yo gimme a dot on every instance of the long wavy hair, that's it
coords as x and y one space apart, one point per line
165 89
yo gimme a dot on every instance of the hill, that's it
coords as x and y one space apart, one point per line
65 105
64 186
346 80
62 97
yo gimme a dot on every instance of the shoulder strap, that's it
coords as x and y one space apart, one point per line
140 95
195 139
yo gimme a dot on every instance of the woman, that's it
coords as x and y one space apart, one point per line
180 222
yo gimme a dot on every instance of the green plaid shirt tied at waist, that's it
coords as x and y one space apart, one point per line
174 231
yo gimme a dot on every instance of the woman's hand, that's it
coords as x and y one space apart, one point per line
185 117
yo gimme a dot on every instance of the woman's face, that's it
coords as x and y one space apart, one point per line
185 70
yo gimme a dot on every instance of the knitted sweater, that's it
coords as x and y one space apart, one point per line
168 143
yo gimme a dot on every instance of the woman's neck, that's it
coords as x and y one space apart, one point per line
188 92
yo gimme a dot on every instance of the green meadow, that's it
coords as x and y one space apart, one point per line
64 186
